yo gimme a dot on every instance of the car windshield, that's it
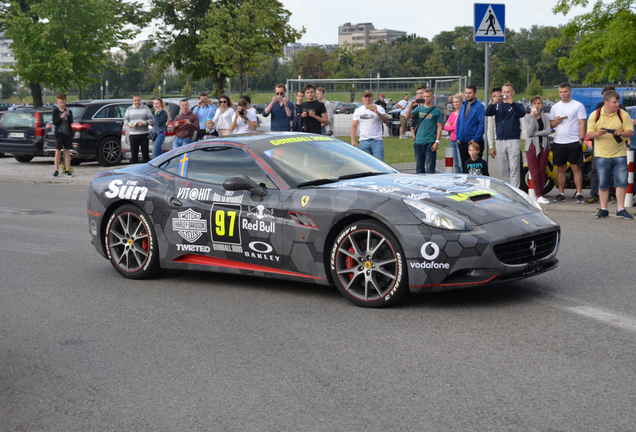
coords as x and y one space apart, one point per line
310 163
18 119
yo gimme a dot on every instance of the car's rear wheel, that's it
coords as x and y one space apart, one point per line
23 159
131 243
109 152
368 266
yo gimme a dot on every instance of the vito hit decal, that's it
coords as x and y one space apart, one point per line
430 251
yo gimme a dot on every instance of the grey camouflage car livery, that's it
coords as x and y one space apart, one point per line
376 237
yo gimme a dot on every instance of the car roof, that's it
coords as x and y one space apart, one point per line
259 142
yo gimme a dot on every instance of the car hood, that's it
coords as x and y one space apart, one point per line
477 200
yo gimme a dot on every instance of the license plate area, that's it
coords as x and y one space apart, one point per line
533 267
16 135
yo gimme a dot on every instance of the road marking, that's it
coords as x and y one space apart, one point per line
617 320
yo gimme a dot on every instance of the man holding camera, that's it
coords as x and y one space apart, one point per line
608 128
137 118
314 113
507 114
281 109
187 124
370 117
244 120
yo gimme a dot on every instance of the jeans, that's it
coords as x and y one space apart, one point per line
457 159
425 158
373 147
156 145
178 142
605 167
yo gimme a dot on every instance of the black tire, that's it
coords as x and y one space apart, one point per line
547 187
368 265
23 159
131 243
109 152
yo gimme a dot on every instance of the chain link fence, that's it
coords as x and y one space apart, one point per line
346 93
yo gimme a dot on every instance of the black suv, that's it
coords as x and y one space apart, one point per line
97 127
22 132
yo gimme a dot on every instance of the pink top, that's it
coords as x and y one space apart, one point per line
451 124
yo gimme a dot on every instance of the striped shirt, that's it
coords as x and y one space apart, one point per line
134 115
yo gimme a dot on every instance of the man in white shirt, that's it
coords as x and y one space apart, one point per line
370 118
244 120
329 106
567 118
403 104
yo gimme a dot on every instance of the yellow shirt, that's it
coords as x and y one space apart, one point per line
606 146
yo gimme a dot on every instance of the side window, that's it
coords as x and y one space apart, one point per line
120 111
214 165
629 98
105 112
46 118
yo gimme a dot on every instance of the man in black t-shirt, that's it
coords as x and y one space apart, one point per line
314 113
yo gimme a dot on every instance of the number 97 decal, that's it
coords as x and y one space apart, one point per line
225 220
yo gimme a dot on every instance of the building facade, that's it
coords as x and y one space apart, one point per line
6 56
363 34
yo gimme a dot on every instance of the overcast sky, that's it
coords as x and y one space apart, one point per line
424 18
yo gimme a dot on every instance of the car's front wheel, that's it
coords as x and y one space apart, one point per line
109 152
131 243
23 159
368 265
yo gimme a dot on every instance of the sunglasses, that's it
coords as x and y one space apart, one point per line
280 94
367 96
222 102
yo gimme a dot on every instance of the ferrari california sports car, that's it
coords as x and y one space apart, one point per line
311 208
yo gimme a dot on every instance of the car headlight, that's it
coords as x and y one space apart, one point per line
435 217
526 197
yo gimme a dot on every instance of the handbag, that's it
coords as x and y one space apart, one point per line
152 135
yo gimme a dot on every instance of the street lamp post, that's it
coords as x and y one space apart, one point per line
164 87
106 89
0 92
469 73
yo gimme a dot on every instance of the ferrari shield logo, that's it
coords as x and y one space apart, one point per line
189 225
304 200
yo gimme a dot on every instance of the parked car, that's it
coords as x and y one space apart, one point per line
22 132
97 127
259 108
547 106
346 108
4 106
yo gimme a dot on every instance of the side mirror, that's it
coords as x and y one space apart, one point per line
239 183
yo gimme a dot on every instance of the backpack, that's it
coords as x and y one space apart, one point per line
598 114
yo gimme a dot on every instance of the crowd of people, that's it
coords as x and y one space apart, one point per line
471 126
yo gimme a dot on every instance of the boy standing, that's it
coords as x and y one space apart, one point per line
475 165
63 119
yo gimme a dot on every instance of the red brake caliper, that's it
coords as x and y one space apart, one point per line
144 242
350 262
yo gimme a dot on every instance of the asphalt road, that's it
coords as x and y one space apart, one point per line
83 349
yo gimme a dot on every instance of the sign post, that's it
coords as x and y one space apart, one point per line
490 27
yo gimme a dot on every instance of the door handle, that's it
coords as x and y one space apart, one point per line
174 202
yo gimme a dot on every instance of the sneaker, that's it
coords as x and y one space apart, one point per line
593 200
543 200
402 137
69 174
56 174
560 198
602 214
622 214
579 199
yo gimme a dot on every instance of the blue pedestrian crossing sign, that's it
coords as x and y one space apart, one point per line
490 23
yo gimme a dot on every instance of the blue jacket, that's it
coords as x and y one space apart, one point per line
472 128
507 118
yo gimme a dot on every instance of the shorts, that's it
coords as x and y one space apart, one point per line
605 167
403 122
564 153
63 141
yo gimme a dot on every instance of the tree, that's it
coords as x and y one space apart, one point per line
241 32
22 93
8 83
186 91
604 38
63 42
535 87
434 65
309 63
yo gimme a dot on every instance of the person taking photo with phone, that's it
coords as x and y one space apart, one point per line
63 119
429 130
281 109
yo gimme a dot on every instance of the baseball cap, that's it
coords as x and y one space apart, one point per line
367 92
382 95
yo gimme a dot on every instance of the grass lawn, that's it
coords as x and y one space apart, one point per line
398 150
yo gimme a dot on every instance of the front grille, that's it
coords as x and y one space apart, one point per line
527 249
